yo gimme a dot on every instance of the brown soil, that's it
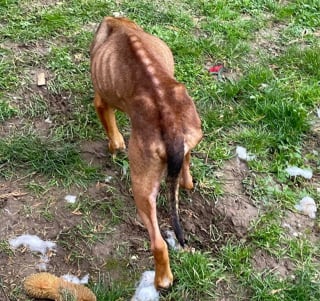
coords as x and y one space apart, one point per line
122 248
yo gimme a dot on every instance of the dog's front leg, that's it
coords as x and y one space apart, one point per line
106 115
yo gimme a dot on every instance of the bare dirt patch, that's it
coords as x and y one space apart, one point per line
264 262
267 40
234 211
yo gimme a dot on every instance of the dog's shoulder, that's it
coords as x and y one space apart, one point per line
112 26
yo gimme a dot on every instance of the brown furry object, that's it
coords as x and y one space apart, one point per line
48 286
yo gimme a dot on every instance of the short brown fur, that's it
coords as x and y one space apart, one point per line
133 71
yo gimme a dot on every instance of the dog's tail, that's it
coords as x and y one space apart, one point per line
175 156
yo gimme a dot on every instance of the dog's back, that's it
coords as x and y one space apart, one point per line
119 50
133 69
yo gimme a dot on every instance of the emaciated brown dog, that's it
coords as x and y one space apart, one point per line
133 71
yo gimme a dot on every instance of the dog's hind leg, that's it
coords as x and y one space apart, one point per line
106 115
185 176
146 175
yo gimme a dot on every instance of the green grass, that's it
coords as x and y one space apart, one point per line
197 274
6 111
112 292
52 159
268 107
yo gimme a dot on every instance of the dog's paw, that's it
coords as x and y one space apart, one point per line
186 182
116 145
163 280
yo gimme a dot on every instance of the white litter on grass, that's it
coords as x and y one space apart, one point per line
118 14
42 265
33 242
170 239
146 290
318 112
243 154
70 198
48 120
294 171
307 206
108 179
290 228
74 279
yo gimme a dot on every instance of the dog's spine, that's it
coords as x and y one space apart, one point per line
173 141
175 156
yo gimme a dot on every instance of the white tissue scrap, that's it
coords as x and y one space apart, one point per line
307 206
243 154
291 229
33 242
74 279
70 198
108 179
42 265
146 290
318 112
170 239
118 14
294 171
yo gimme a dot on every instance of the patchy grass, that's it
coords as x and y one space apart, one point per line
34 155
265 100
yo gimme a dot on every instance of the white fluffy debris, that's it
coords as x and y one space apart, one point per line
118 14
291 229
170 239
108 179
33 242
146 290
48 120
42 265
307 206
294 171
70 198
243 154
74 279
